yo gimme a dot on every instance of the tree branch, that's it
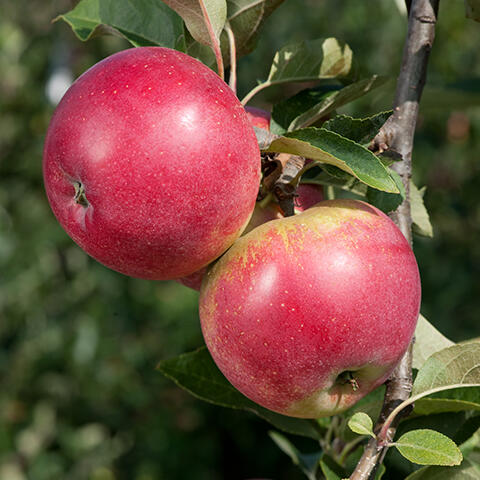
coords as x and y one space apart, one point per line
397 134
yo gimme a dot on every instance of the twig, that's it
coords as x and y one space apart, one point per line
215 42
232 81
397 134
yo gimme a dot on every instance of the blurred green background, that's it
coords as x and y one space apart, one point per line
79 394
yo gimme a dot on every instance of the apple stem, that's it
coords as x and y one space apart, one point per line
80 196
397 135
232 81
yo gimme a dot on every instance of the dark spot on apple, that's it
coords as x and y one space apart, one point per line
80 196
347 377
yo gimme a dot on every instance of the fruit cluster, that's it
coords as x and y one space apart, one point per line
152 166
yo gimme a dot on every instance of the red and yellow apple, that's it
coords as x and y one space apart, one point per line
307 314
151 164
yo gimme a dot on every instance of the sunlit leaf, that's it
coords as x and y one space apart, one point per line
333 149
450 368
203 18
420 217
362 424
428 340
428 447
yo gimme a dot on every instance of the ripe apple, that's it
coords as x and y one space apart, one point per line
258 117
151 164
307 314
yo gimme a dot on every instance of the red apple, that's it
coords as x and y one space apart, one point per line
258 117
307 314
151 164
308 195
260 215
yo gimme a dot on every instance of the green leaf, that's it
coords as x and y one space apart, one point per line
246 18
202 17
305 61
387 202
330 469
428 340
308 106
308 463
420 218
472 9
360 130
454 400
311 60
466 471
137 21
450 368
362 424
197 373
333 149
428 447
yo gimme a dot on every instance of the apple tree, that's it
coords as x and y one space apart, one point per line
405 386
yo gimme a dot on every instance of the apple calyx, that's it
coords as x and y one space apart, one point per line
347 377
80 196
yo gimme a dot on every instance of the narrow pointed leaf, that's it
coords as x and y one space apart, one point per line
333 149
137 21
428 447
428 340
246 18
466 471
197 373
387 202
311 60
360 130
335 100
362 424
420 218
202 17
308 463
450 368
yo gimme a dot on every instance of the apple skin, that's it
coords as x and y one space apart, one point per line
299 303
260 215
258 117
166 157
308 195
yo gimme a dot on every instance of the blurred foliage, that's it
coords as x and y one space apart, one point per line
80 397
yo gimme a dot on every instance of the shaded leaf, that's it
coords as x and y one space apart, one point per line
311 60
428 447
450 368
137 21
307 61
308 463
330 469
360 130
309 106
246 18
387 202
420 218
333 149
428 340
472 9
466 471
197 373
362 424
454 400
202 17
